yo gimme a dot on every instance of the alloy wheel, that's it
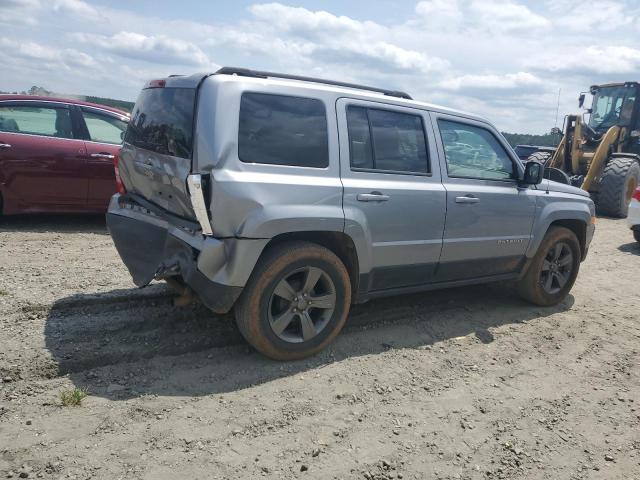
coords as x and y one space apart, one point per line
302 304
556 268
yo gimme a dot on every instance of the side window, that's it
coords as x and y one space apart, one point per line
283 130
474 152
386 140
104 128
50 122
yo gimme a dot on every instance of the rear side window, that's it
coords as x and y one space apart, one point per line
386 140
104 128
50 122
162 121
283 130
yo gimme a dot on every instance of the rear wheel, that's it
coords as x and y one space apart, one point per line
296 301
619 180
553 270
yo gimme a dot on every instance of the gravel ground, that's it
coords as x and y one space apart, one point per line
468 383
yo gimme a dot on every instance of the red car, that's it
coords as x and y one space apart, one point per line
57 155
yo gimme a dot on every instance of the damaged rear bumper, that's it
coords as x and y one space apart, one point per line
152 248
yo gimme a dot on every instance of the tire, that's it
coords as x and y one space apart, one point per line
541 157
274 323
619 179
532 286
636 235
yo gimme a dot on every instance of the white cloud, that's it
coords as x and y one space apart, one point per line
160 49
612 60
521 81
506 15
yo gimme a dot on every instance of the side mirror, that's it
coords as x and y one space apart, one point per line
533 173
581 100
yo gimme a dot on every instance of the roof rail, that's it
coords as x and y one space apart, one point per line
245 72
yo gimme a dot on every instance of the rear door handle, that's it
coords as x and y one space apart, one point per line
5 145
372 197
107 156
467 199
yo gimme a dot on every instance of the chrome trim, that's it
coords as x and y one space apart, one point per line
197 202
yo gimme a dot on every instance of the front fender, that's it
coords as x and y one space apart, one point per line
551 210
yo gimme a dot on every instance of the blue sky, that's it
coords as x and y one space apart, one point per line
503 59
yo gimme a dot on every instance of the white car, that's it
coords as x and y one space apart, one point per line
634 214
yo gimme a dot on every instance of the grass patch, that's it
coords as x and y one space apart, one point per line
3 292
72 398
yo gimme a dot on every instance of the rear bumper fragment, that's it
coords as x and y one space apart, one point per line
150 249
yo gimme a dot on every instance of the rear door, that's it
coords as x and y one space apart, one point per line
105 133
489 217
391 185
155 159
42 158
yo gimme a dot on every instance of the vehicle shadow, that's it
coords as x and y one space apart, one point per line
631 247
119 349
61 222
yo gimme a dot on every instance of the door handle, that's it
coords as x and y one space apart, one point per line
372 197
467 199
5 145
107 156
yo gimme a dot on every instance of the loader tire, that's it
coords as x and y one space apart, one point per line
540 157
619 180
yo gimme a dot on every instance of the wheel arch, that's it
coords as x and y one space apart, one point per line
578 227
341 244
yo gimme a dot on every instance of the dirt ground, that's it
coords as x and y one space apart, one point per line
469 383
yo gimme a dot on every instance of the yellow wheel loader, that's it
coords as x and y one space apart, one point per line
601 155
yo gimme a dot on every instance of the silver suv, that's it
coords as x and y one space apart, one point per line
290 198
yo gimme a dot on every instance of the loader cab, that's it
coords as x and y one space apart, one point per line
616 104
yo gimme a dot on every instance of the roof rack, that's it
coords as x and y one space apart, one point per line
245 72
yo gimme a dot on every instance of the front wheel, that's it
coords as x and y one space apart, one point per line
296 301
553 270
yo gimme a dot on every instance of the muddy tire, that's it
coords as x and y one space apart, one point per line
553 270
619 179
541 157
296 301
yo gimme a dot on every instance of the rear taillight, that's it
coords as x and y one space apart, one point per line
119 185
636 194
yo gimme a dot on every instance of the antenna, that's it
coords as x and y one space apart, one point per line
558 107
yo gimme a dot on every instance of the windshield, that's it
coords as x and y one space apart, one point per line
612 106
162 121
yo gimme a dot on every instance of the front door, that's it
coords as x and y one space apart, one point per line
489 217
42 162
391 191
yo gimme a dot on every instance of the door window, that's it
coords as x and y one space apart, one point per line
474 152
104 128
34 120
385 140
283 130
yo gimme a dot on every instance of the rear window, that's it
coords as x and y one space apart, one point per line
283 130
162 121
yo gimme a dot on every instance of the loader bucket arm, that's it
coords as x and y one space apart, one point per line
600 155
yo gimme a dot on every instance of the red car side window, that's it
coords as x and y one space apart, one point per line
46 121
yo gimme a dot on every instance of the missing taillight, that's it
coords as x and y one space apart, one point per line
119 185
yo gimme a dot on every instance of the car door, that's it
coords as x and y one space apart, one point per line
104 133
41 158
392 190
489 216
